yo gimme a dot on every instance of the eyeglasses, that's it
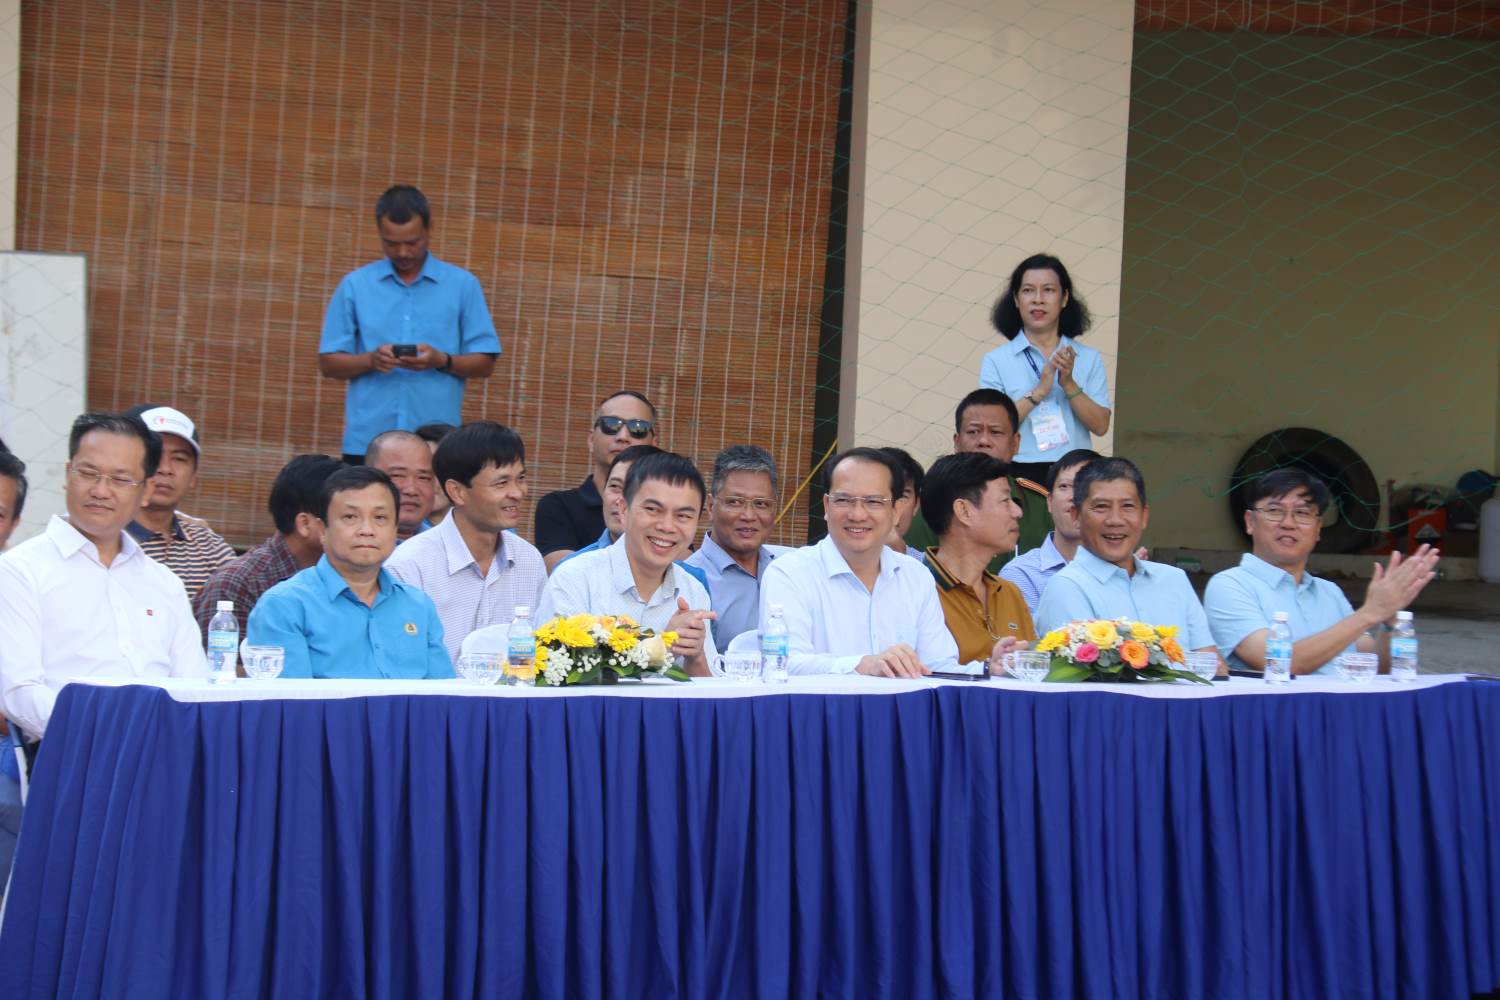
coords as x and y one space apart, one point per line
1300 515
843 502
639 429
737 505
94 477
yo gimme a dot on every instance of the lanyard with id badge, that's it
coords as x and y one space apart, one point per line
1047 424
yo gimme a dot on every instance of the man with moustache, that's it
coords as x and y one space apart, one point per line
1284 521
568 520
966 498
82 599
1106 579
185 545
473 565
347 616
407 459
405 332
851 604
986 421
1031 570
734 554
638 575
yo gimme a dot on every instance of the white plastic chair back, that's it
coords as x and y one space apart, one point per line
745 642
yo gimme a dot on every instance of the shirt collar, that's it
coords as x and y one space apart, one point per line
141 533
457 550
589 494
1050 557
946 581
721 560
335 585
1103 571
1019 343
623 581
604 541
1272 576
834 562
69 540
428 272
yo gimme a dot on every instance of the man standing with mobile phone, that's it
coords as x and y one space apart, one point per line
405 332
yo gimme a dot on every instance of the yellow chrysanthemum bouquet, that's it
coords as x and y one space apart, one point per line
600 649
1119 650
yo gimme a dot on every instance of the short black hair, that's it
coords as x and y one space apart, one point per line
875 455
986 397
298 489
1288 479
13 468
670 468
1107 470
461 455
630 454
1078 456
400 202
633 395
910 468
957 477
435 432
1075 318
352 478
117 423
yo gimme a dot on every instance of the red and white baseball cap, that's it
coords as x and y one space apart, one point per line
166 420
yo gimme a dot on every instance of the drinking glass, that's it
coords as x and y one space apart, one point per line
481 668
1028 665
742 667
1205 665
263 662
1358 668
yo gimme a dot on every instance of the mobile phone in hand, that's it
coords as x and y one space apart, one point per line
404 350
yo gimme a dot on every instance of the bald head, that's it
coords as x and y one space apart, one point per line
407 459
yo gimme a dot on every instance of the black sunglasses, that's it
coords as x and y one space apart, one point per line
639 429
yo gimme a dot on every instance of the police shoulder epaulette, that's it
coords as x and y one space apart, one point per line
1036 488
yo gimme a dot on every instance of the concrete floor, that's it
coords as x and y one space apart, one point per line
1458 623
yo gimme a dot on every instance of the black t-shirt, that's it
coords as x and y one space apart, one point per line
570 519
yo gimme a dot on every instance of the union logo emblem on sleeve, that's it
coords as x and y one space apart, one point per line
411 628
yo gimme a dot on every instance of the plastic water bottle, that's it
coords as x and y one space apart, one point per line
1279 650
520 667
1404 649
773 648
223 643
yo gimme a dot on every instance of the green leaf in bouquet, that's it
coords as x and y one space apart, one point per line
676 673
1067 673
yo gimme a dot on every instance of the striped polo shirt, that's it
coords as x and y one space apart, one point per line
191 549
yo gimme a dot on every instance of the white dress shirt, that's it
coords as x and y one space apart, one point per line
600 583
439 562
833 621
64 614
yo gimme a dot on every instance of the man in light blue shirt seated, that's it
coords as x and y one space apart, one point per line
638 576
348 616
1284 521
1105 578
1031 570
851 604
405 332
734 553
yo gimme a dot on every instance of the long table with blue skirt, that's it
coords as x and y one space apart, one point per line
834 837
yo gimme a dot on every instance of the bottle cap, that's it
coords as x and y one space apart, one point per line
1403 616
522 611
1281 616
226 605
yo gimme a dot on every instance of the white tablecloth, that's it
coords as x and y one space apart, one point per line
194 690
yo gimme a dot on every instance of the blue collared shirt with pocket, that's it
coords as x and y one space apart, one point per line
1242 599
443 308
735 594
327 631
1015 368
1157 594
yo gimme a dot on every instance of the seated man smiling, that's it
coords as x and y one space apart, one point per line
347 616
638 576
1105 578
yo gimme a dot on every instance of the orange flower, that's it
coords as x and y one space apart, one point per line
1134 654
1173 650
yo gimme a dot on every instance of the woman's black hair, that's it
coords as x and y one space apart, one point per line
1075 318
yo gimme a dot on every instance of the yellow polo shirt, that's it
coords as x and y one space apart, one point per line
977 625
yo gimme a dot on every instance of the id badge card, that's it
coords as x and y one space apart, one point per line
1048 426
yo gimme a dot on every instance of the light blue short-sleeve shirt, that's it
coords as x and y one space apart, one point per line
444 308
1157 594
735 594
329 632
1015 368
1244 598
